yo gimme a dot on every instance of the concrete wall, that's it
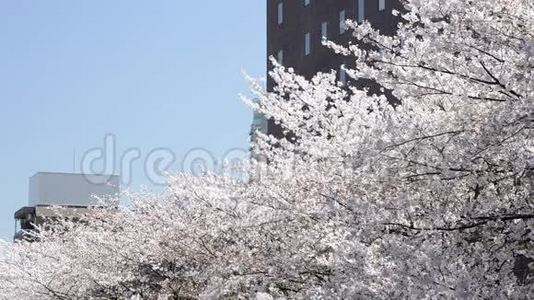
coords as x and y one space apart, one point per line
71 189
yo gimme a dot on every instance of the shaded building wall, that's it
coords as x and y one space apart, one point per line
299 19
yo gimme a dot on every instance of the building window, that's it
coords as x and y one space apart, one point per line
342 75
306 2
280 56
307 46
342 24
361 10
381 5
324 30
280 12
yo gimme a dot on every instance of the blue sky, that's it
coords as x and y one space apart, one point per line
155 74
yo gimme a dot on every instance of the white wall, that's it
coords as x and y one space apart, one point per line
71 189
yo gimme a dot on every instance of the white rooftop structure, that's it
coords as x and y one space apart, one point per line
65 189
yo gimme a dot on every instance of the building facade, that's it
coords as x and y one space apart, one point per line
63 195
296 29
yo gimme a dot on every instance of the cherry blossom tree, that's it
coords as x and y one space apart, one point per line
430 197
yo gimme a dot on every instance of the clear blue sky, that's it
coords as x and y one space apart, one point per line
162 73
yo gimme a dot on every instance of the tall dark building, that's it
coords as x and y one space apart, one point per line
296 28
